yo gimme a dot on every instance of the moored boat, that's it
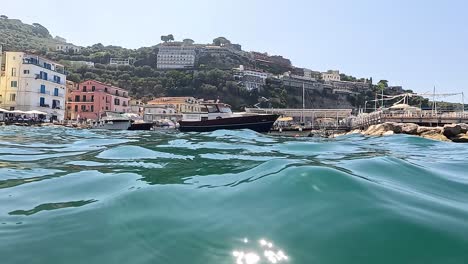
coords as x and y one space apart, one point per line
219 116
118 121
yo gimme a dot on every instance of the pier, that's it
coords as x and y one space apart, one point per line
422 118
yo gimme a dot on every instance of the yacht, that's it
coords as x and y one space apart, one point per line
119 121
217 116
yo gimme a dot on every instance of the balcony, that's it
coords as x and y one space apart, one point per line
44 92
44 105
40 63
38 77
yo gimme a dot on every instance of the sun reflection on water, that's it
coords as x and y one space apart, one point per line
263 252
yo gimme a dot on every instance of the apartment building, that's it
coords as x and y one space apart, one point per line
331 76
29 82
180 104
176 56
252 79
67 47
92 99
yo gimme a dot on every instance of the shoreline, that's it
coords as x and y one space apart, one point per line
448 133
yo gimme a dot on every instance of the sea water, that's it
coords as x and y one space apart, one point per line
87 196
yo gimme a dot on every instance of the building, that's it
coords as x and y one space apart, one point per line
176 56
91 99
252 79
396 89
331 76
71 86
296 81
137 106
311 74
29 82
120 61
277 60
349 87
67 47
153 113
77 64
180 104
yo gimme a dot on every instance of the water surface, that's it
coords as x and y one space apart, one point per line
89 196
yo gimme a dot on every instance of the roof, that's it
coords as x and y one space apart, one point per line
105 84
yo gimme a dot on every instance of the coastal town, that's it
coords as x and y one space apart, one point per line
71 91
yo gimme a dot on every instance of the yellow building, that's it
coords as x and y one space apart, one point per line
29 82
181 104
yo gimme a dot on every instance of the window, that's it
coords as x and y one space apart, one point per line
83 108
42 101
56 79
107 108
93 88
26 71
13 72
84 98
92 108
76 108
77 98
43 89
14 84
92 98
13 97
84 88
56 92
105 89
116 101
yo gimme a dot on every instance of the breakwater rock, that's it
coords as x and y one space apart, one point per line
452 132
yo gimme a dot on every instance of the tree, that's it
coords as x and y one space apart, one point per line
167 38
3 17
188 41
40 30
221 41
382 84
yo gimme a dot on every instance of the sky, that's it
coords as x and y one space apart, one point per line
417 44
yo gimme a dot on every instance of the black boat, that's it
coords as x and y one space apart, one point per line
219 116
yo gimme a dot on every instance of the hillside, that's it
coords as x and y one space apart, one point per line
212 77
15 35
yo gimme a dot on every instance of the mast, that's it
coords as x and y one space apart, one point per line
382 106
303 102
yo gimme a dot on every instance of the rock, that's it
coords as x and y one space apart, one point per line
452 130
464 128
461 138
433 134
388 133
397 128
422 129
410 129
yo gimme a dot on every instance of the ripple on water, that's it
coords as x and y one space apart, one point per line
136 152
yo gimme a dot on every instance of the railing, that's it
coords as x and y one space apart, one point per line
44 92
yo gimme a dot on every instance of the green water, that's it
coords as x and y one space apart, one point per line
80 196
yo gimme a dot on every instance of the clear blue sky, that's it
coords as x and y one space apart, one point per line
417 44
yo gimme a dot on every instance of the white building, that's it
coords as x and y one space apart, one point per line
29 82
153 113
331 76
252 79
118 61
176 56
66 47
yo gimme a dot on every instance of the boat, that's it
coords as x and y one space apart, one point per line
120 121
220 116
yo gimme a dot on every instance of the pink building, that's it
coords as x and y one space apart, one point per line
91 99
